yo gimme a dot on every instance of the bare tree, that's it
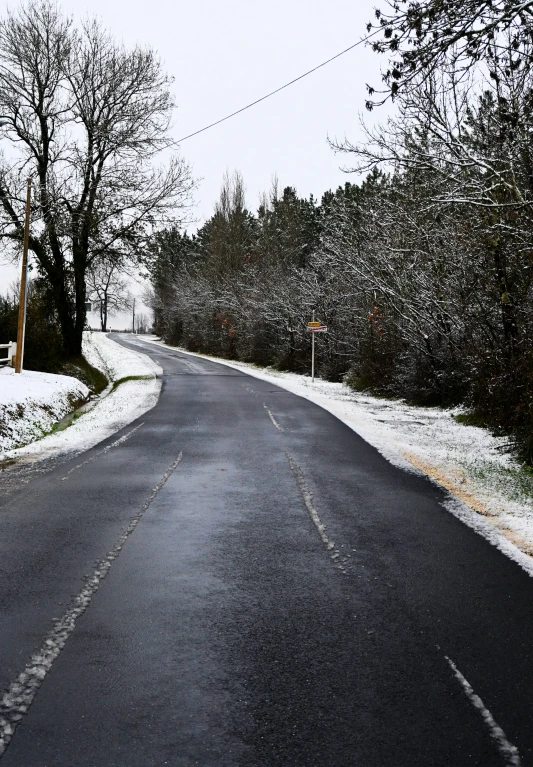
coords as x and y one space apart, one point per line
88 119
142 323
107 287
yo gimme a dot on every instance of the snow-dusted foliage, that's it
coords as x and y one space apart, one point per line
422 272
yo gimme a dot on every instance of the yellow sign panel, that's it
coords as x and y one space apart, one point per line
314 324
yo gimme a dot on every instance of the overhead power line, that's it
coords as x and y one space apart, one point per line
272 93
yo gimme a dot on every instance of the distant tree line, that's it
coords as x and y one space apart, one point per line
423 271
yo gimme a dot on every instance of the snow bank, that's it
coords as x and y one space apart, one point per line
495 494
111 411
31 403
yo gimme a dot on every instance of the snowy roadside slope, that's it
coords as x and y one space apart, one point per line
31 403
491 493
114 360
109 413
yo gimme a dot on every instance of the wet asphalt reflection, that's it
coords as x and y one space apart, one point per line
241 581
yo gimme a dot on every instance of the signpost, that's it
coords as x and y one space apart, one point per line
314 327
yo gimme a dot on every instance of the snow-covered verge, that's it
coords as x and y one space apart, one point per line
114 360
31 403
115 408
491 491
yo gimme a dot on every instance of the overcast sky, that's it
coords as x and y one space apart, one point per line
225 54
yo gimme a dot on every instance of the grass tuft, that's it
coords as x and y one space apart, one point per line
117 383
93 378
514 482
471 419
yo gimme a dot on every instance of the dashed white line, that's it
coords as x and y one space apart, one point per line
102 452
21 693
276 424
506 748
307 496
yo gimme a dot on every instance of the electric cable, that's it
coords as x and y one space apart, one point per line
272 93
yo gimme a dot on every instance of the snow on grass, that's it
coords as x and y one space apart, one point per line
115 361
495 492
121 403
31 403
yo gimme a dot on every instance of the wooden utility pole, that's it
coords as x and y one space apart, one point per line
313 353
133 322
21 331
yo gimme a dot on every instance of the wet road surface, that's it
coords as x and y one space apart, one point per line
241 581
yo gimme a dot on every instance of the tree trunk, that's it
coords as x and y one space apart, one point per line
508 314
65 313
80 297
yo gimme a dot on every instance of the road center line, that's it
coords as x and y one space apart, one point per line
20 694
506 748
276 424
307 496
102 452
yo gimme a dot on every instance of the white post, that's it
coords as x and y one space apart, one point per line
313 352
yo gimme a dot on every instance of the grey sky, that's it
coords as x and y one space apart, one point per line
226 54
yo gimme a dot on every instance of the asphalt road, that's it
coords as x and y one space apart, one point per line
244 582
